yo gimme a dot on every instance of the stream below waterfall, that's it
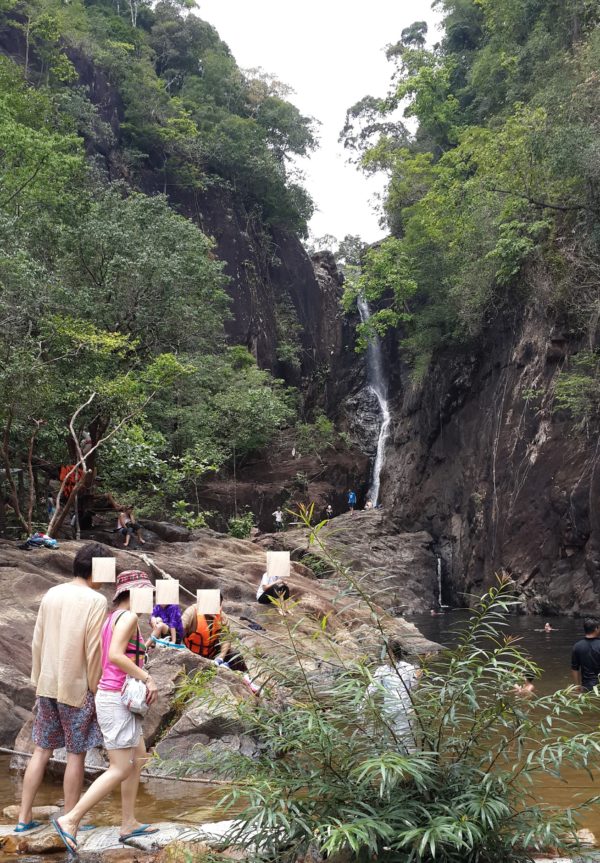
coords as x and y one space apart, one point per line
378 385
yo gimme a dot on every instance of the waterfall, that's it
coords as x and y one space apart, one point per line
377 384
439 580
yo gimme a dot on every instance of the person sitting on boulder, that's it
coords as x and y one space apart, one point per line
272 589
166 623
207 635
127 527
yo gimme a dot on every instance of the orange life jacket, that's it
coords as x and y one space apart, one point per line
204 640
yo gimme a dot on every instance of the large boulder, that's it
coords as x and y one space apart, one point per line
398 571
207 726
167 665
166 531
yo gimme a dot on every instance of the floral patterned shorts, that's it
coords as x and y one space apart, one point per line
57 725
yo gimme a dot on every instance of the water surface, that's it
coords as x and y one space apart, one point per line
552 652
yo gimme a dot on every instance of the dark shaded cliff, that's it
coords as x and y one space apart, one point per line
481 459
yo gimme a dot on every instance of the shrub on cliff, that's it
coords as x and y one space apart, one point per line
464 785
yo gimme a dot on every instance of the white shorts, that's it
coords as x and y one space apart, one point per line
120 728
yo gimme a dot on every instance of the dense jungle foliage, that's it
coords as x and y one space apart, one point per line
493 198
106 291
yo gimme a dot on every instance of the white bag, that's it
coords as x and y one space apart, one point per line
133 696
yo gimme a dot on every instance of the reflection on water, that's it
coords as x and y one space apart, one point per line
552 652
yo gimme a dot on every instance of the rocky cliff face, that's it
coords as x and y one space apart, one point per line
481 459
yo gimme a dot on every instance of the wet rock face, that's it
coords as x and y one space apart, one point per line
481 460
364 419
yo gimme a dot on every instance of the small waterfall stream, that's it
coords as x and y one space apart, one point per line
377 383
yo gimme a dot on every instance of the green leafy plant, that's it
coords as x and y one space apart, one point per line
320 567
240 526
185 516
317 436
578 389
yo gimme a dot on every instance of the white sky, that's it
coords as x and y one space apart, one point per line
332 53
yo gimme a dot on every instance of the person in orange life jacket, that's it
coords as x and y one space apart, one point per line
206 635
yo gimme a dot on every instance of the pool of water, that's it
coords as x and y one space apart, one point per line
158 800
552 652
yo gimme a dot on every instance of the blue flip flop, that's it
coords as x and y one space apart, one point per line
23 827
87 827
65 837
144 830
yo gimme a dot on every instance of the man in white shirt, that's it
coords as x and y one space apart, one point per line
278 516
393 683
66 668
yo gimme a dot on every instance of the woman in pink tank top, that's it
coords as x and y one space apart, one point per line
123 653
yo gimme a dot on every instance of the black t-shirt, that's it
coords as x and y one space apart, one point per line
586 658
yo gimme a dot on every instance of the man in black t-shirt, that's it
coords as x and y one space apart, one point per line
585 658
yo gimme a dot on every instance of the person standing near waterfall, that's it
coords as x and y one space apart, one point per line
351 500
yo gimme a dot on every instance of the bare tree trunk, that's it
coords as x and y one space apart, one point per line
7 468
59 516
235 508
27 30
32 482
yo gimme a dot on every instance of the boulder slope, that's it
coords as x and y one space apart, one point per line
208 560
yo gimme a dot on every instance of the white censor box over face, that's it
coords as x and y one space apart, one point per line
167 591
278 565
104 570
141 600
209 601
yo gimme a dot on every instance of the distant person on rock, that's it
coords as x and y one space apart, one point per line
329 512
66 668
123 656
393 682
166 623
369 504
585 657
351 500
127 527
278 516
50 505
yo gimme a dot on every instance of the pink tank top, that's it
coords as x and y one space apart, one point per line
113 677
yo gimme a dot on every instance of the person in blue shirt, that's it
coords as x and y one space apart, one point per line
351 500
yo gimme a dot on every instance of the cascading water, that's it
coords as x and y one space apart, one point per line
439 580
377 384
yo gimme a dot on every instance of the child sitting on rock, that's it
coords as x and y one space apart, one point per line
166 622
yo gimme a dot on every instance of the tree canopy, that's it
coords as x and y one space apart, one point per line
114 304
498 181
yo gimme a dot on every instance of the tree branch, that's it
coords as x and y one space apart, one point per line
7 469
60 514
25 184
544 205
